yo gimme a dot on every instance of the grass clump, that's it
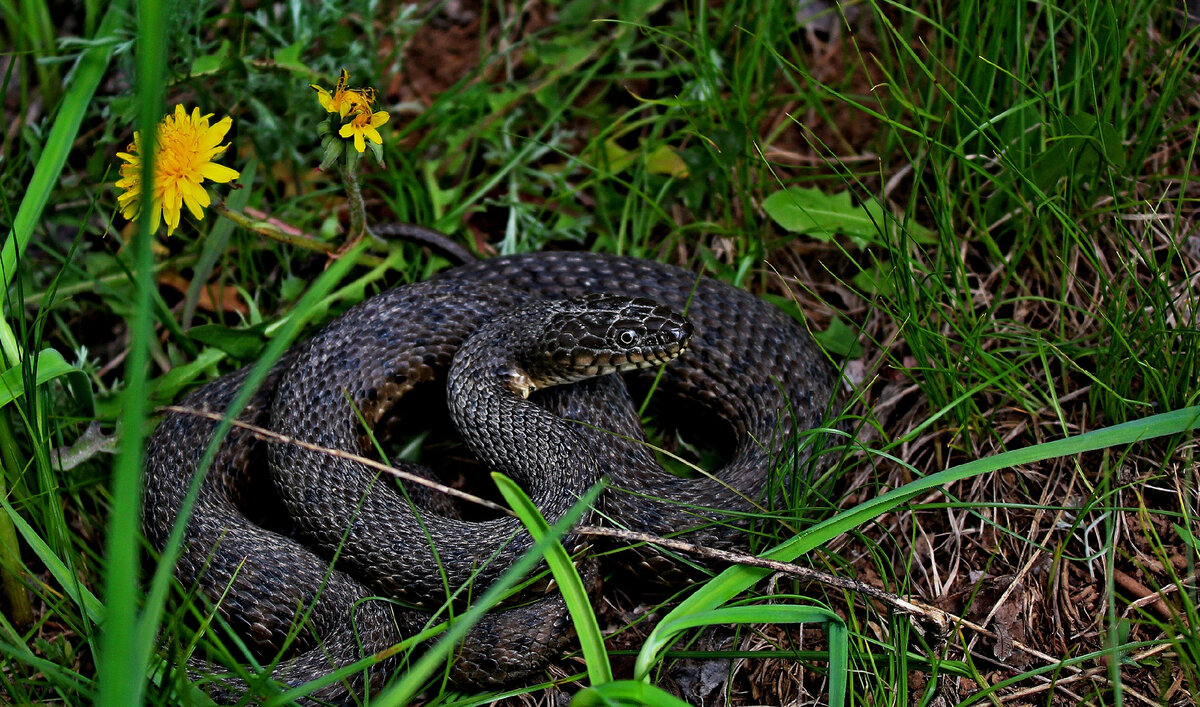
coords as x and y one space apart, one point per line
987 211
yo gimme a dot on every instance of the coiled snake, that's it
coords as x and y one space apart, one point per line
748 365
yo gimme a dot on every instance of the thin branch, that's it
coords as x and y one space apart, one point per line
266 435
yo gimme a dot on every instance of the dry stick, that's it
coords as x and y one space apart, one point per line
937 619
1094 673
935 616
299 240
1145 595
266 435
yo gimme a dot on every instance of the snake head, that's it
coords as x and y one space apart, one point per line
597 334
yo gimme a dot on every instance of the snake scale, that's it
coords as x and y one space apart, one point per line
364 563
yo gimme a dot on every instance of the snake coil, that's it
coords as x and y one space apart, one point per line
322 558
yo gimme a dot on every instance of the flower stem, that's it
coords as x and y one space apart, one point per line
358 208
276 233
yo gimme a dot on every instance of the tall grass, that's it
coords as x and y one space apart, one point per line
1030 292
125 643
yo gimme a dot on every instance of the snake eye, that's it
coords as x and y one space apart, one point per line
626 337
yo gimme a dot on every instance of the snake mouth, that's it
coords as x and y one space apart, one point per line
666 355
602 363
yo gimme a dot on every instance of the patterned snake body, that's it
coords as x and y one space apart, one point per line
748 365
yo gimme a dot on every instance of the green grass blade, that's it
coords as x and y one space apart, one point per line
62 574
839 645
838 635
624 692
406 688
570 584
757 614
92 65
735 580
121 668
49 365
307 308
66 679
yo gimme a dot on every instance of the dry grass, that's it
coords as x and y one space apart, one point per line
1039 308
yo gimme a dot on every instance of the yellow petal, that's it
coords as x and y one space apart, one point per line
218 173
155 216
358 100
373 135
132 196
171 209
359 143
168 194
194 197
325 99
379 118
210 154
215 134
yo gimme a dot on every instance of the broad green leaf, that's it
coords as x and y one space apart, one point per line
442 199
50 365
244 343
617 158
1186 536
290 58
840 338
211 63
1083 145
661 160
664 160
500 100
875 280
822 216
562 53
166 387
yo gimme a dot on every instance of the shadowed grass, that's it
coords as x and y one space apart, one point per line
1033 279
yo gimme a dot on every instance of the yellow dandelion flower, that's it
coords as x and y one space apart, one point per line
363 125
184 150
344 100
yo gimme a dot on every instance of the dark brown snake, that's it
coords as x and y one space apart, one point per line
748 365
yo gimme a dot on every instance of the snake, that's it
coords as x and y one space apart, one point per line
314 560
